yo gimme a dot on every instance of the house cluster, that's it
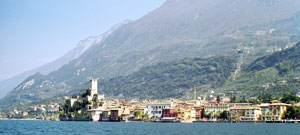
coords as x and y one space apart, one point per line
174 110
35 111
202 110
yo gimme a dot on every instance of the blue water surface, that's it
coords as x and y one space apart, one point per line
27 127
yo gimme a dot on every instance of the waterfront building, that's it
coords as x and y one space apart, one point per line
155 110
198 112
192 114
104 116
95 113
114 114
246 113
277 110
117 113
240 105
169 114
265 111
215 108
179 112
183 113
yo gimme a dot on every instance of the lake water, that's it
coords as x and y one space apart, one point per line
116 128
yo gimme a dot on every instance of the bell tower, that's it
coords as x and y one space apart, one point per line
94 87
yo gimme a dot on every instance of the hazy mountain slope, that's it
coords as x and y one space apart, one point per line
188 28
174 79
182 29
9 84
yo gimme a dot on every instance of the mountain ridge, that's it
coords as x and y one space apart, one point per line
9 84
169 33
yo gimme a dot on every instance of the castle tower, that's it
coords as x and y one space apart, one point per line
94 87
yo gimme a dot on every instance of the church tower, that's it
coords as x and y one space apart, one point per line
94 87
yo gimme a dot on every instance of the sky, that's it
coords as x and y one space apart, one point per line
35 32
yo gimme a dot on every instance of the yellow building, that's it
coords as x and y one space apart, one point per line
277 110
183 113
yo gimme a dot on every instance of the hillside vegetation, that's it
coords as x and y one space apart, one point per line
172 80
274 74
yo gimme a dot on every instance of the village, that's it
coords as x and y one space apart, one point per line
90 106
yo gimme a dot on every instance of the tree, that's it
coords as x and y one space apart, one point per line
95 104
210 115
224 115
233 99
265 98
137 114
216 115
88 92
254 101
244 100
145 116
288 98
235 117
292 112
95 100
218 99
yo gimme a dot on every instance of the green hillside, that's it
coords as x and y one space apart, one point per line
274 74
175 79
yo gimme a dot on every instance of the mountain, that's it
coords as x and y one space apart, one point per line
277 73
171 80
191 28
178 29
163 80
9 84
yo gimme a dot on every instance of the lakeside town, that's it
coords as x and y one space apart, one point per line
91 106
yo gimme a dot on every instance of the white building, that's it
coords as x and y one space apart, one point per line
94 89
154 110
96 111
215 108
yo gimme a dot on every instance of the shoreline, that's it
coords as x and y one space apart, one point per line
19 119
183 122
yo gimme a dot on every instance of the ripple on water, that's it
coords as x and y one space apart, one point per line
115 128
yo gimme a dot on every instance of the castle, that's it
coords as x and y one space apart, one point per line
89 102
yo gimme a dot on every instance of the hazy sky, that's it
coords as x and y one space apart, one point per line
35 32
